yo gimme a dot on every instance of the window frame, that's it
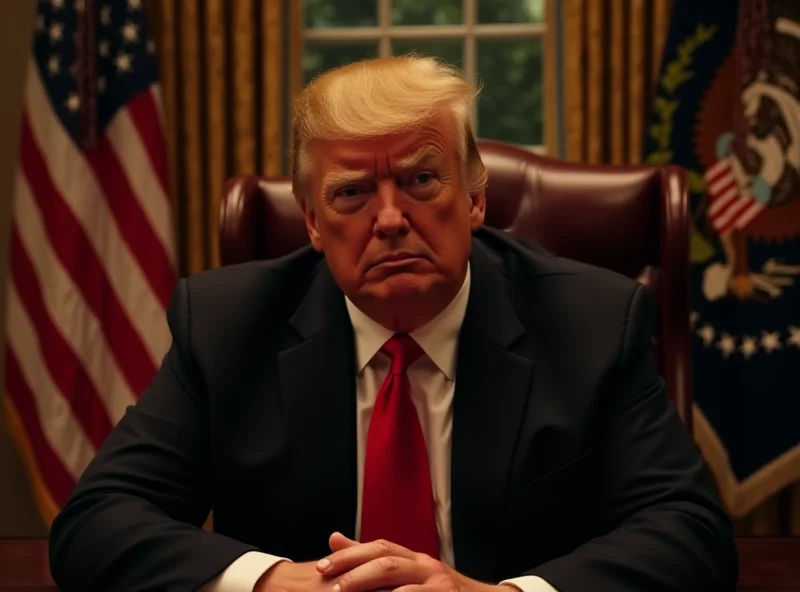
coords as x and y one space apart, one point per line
470 31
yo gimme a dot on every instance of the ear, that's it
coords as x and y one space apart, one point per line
311 224
477 211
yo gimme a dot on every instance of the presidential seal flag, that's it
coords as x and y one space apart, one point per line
727 109
92 256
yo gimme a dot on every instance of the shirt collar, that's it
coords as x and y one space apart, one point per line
438 338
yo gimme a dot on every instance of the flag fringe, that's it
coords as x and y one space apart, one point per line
742 497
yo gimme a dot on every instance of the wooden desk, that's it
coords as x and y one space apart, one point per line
765 565
24 566
768 564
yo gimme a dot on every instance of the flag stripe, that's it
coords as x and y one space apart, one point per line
79 189
77 256
82 330
65 368
724 184
749 215
146 116
130 139
720 167
61 429
729 214
729 209
58 481
142 241
718 204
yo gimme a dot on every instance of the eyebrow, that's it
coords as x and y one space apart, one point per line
425 153
409 162
343 178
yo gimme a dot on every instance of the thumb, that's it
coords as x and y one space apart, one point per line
338 541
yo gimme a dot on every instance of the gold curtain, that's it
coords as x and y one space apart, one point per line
227 69
611 55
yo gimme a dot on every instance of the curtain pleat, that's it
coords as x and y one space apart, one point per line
596 116
191 133
272 83
618 131
227 69
551 98
216 91
640 75
245 84
610 64
574 73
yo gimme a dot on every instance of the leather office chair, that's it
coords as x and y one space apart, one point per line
633 220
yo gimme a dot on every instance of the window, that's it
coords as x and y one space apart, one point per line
498 42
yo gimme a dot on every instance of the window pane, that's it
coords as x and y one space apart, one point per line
510 11
511 102
447 50
415 12
320 57
338 13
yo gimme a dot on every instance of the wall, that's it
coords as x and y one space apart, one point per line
18 516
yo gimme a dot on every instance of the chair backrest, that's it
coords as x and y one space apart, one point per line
631 219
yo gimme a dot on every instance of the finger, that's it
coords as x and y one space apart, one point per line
344 560
338 541
383 572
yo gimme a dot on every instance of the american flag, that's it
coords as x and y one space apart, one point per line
729 209
92 256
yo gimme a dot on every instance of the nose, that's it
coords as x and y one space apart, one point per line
391 221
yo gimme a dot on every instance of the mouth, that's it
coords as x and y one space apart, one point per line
397 260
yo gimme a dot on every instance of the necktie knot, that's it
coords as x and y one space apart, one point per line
403 351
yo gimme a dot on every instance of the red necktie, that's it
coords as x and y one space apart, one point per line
397 496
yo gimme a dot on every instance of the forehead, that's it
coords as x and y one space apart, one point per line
435 135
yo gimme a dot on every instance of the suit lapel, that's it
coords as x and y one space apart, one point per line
318 386
493 382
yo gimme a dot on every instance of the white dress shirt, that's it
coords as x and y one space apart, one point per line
432 380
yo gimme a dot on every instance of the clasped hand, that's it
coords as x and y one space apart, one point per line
379 566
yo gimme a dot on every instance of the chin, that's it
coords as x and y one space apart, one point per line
403 285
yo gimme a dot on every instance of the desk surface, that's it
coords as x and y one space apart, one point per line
769 564
24 566
766 564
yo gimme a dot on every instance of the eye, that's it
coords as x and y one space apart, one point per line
422 178
351 191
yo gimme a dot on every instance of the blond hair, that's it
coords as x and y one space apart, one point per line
383 96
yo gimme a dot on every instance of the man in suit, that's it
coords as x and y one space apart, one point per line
413 402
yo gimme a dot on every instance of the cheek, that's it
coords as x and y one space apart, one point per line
346 237
444 225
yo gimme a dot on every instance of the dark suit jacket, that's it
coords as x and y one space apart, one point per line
568 461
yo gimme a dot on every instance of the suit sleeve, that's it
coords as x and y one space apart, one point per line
134 519
665 529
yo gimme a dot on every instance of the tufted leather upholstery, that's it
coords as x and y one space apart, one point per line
632 219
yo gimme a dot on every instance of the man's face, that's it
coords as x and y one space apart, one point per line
393 217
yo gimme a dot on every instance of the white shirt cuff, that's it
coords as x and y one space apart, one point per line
242 574
530 584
